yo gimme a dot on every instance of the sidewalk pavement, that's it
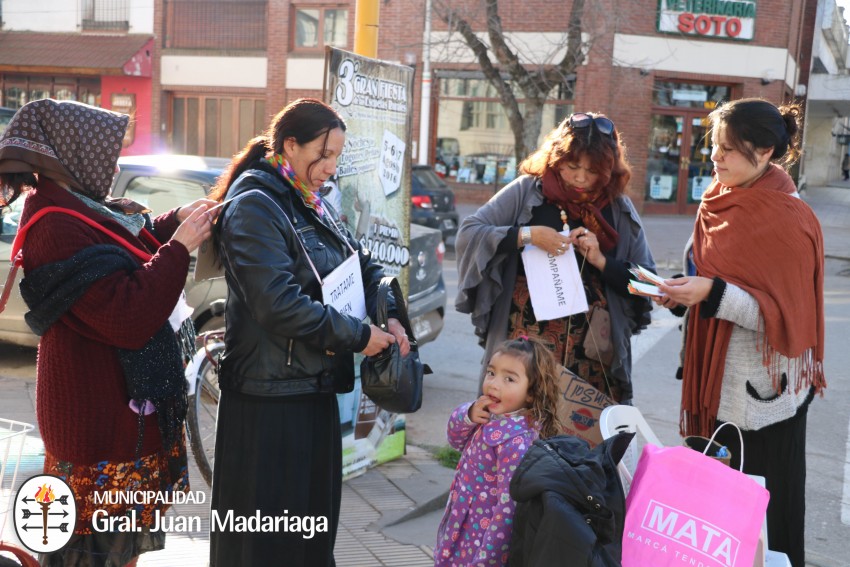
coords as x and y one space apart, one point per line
391 513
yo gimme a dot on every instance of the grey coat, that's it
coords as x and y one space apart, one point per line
486 279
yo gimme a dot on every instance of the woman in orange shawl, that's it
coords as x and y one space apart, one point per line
754 339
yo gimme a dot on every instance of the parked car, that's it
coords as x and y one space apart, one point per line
433 201
162 182
6 115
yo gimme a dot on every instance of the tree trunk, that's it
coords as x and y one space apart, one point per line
532 125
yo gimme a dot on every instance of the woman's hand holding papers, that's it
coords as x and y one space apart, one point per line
688 291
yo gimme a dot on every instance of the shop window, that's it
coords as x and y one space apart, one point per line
215 24
474 141
317 27
214 126
65 93
105 15
689 95
14 96
38 92
17 90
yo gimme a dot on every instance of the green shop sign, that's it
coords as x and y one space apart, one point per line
727 19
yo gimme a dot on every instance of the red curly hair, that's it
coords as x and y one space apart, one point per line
566 144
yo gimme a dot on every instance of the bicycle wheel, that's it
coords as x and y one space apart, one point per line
203 412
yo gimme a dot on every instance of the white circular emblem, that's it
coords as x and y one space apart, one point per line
45 513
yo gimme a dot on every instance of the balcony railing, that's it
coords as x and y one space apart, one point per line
215 24
105 15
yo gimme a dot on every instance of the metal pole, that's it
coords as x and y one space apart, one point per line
425 106
366 28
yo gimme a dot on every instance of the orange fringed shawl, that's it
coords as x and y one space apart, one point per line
768 242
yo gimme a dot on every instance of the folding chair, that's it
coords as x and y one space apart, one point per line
617 418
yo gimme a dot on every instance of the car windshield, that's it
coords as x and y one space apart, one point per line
429 179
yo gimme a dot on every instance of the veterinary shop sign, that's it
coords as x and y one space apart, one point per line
724 19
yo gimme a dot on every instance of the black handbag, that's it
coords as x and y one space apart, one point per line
394 382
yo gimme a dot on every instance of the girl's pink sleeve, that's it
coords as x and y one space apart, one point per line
460 428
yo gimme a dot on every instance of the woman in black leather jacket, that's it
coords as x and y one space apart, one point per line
278 442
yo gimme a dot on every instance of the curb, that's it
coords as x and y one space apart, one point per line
436 503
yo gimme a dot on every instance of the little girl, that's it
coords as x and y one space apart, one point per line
494 432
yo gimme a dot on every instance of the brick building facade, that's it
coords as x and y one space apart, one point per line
219 69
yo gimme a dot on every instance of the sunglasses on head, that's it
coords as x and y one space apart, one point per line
584 120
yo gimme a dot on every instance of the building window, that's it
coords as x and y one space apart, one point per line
475 143
215 125
106 15
215 24
317 27
17 90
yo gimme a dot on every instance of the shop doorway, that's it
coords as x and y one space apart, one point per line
679 166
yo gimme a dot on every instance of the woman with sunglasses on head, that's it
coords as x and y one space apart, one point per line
754 333
572 193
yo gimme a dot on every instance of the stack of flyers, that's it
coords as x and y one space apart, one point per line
646 283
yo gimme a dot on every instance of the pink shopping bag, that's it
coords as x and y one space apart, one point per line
688 509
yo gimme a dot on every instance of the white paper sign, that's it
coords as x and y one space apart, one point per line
554 283
181 312
392 161
343 288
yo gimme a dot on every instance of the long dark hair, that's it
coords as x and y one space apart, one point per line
543 373
13 184
304 119
564 144
754 123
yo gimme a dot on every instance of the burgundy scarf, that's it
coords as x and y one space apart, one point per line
584 206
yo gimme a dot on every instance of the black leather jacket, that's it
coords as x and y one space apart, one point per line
280 339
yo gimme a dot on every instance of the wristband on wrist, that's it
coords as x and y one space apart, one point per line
525 235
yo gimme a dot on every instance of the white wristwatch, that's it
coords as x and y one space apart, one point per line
525 235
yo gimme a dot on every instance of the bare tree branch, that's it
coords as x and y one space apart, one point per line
534 81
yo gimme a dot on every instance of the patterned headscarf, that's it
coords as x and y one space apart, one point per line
66 141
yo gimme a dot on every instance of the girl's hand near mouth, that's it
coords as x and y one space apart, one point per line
478 410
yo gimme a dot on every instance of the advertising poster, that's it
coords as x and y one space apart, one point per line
375 98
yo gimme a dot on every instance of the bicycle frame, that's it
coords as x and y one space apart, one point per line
202 380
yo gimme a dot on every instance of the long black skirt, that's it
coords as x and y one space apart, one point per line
778 453
280 456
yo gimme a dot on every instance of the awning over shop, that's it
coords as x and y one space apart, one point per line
62 53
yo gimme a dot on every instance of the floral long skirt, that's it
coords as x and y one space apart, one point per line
164 472
564 336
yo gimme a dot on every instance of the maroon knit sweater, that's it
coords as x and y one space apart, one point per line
81 396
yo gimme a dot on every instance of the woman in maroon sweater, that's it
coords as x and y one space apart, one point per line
110 398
